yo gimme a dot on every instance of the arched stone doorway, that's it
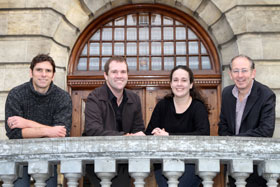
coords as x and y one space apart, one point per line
153 38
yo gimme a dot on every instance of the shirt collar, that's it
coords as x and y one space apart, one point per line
111 96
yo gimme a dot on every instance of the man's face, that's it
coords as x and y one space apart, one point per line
117 76
42 76
242 74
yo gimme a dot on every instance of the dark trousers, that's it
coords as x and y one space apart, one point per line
24 180
254 180
188 179
122 178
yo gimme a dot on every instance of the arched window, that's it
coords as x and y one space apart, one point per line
153 38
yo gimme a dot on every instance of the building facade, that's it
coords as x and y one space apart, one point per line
29 27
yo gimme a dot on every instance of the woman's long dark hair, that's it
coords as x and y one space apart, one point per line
194 91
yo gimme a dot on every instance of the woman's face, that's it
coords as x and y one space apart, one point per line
180 83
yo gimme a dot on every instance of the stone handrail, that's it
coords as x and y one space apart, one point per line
207 152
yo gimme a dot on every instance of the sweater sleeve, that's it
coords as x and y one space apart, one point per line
63 112
155 120
13 108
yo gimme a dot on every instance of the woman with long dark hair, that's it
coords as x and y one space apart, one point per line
183 112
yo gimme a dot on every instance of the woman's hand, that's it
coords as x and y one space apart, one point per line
160 132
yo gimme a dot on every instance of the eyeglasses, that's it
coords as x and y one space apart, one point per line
236 71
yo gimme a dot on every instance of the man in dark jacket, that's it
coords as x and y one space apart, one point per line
248 108
113 110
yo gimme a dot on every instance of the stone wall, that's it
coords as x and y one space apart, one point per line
29 27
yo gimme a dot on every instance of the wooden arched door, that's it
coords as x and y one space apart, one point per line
154 38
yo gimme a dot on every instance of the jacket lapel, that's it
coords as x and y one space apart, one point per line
232 106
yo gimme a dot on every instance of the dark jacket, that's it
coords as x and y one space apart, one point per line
100 119
258 119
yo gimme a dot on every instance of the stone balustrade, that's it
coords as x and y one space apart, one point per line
207 153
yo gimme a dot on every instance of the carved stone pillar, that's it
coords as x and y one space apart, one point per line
40 171
8 173
270 170
207 169
240 170
72 170
139 169
105 169
173 169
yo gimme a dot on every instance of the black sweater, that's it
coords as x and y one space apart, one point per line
194 121
52 108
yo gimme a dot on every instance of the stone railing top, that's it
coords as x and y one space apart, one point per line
151 147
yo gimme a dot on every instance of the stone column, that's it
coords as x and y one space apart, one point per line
240 170
40 171
207 169
8 173
105 169
72 170
270 170
139 169
173 169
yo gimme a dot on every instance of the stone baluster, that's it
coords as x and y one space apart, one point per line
173 169
270 170
240 170
105 169
207 169
139 169
72 170
8 173
40 171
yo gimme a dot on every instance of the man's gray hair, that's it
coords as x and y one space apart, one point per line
242 56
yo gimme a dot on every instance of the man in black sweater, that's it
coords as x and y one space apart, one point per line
38 109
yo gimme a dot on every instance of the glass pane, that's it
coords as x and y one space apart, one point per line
193 47
131 19
144 63
156 33
132 63
168 48
156 48
107 34
203 49
156 63
144 33
107 49
119 34
104 60
96 36
168 63
181 61
109 24
181 48
82 65
167 21
84 52
180 33
119 21
94 49
131 34
94 64
178 23
131 49
143 19
205 62
119 49
143 48
191 35
156 19
168 33
193 62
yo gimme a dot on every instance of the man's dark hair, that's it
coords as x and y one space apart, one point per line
114 58
42 58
